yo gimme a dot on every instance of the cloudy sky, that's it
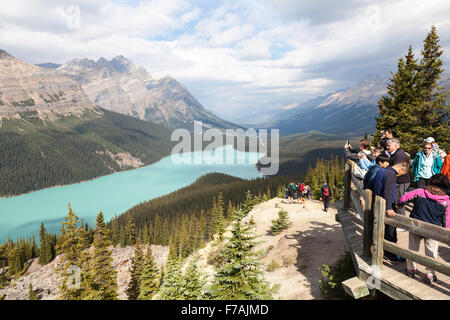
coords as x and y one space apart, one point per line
234 56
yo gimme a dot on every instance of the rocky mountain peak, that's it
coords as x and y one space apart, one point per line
3 54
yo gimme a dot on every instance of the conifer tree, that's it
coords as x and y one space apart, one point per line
266 196
71 243
130 231
45 253
31 294
414 106
249 202
171 289
241 275
281 223
101 278
193 282
149 278
134 287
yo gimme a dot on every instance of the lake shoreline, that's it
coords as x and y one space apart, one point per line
98 177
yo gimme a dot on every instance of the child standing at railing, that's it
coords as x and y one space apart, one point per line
432 206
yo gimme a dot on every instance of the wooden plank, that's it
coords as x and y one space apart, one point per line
440 266
421 228
355 287
368 225
379 209
388 289
343 213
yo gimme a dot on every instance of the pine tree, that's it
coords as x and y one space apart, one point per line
149 277
249 202
134 287
45 253
266 196
414 106
171 288
71 243
130 231
281 223
31 294
434 113
193 282
241 276
101 278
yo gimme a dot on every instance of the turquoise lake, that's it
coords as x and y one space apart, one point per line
22 215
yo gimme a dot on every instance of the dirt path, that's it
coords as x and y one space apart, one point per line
313 239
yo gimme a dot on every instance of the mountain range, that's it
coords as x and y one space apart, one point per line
119 85
51 133
351 111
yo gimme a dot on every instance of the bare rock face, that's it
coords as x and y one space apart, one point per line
119 85
45 93
46 281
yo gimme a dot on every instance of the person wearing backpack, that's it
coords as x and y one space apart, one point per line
325 195
290 191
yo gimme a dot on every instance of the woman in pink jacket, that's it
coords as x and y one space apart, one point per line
431 204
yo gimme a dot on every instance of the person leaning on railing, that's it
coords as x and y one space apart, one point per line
384 185
431 204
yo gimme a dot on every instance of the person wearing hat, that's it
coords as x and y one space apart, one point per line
442 154
426 164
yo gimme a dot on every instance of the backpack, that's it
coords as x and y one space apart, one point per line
326 192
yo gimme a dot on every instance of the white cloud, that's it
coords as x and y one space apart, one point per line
231 55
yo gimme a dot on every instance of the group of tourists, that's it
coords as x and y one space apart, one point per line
385 171
298 192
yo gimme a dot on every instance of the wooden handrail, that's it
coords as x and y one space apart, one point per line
421 228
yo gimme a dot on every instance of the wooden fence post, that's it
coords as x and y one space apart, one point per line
379 211
347 185
368 225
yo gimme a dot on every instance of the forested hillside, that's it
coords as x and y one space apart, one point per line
37 154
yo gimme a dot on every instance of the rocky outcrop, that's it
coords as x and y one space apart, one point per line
123 159
38 92
45 280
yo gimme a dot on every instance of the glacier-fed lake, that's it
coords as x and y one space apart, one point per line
22 215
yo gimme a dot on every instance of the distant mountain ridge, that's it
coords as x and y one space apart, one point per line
119 85
351 111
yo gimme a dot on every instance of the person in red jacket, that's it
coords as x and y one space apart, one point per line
446 166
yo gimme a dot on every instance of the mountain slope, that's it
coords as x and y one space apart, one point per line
52 134
351 111
119 85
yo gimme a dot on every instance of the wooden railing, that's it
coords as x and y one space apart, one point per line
372 210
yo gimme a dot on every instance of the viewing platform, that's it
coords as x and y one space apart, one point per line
363 226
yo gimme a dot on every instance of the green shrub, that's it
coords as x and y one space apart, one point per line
332 277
